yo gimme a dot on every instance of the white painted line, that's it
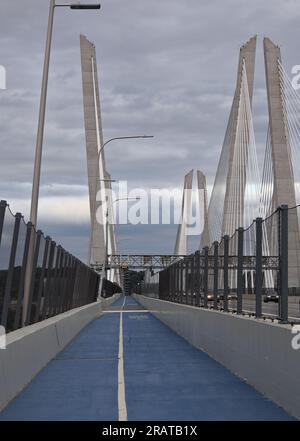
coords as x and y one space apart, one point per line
121 380
118 311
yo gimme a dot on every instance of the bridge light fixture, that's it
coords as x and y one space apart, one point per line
85 6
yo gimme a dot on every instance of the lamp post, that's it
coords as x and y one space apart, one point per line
41 124
122 137
103 147
104 268
39 141
93 220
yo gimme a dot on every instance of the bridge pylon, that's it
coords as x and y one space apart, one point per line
280 143
237 172
98 177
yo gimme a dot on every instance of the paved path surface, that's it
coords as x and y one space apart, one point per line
139 371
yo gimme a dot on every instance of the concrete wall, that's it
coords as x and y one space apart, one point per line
30 349
257 351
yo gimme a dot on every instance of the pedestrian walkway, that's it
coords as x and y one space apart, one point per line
128 365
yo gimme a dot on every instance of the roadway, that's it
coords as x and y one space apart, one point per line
126 365
270 308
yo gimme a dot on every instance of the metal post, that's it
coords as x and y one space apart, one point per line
22 277
284 285
177 280
33 276
181 280
258 268
47 292
240 270
106 245
216 273
193 292
59 279
205 281
38 157
65 281
55 283
186 280
195 278
71 290
172 283
69 284
3 205
41 124
42 281
225 272
10 273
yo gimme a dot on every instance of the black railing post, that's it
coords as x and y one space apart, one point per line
3 205
187 280
283 262
186 285
197 285
42 280
177 281
71 288
205 277
47 291
173 282
169 284
66 279
33 276
55 282
258 268
216 273
17 323
225 272
181 280
240 270
193 293
10 273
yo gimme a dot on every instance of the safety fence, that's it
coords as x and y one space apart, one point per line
58 281
256 271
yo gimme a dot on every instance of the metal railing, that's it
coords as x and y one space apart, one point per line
247 273
59 281
141 261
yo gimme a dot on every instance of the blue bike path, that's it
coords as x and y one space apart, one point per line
165 378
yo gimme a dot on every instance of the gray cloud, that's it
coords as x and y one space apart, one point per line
167 68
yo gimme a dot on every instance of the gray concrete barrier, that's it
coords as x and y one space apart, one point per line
259 352
30 349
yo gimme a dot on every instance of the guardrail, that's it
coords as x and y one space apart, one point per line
250 272
59 282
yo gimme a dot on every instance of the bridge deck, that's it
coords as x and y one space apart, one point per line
165 378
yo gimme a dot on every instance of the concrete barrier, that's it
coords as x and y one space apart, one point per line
30 349
259 352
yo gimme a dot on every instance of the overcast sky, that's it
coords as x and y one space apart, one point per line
167 68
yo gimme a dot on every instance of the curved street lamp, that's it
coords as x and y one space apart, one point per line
117 138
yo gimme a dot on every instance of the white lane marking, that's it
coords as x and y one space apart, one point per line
130 311
121 380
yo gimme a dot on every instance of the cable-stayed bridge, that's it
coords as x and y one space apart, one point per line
211 335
